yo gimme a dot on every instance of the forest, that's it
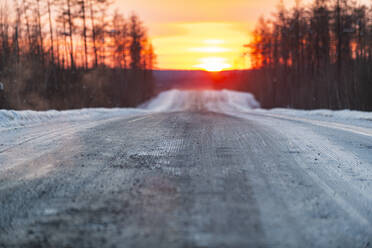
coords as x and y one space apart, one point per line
313 56
66 54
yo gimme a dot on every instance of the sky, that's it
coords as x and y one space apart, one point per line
200 34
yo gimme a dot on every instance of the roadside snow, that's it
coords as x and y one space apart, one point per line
11 118
336 114
224 101
40 132
351 117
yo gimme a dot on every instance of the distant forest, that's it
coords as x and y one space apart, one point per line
65 54
318 56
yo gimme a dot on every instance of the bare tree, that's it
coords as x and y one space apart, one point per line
46 47
137 35
82 14
120 40
314 57
51 33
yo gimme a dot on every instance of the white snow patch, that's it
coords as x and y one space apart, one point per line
348 116
11 118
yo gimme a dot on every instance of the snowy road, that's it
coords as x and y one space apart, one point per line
194 169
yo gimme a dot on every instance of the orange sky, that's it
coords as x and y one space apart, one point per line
195 34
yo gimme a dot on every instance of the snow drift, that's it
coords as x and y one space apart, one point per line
353 117
11 118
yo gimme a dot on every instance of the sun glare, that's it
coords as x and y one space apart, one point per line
210 49
213 64
214 42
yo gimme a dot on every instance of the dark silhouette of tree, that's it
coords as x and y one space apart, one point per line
137 36
51 32
72 54
119 34
83 16
97 28
314 57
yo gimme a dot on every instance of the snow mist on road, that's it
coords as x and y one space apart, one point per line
186 169
209 100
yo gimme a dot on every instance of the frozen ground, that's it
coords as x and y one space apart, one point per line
187 169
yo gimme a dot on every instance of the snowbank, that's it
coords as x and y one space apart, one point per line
342 115
24 118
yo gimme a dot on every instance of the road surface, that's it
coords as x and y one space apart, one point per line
191 178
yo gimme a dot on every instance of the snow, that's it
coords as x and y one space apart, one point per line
240 103
11 118
228 101
170 100
319 161
41 131
213 100
224 101
340 115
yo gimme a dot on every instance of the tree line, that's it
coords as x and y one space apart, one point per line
72 53
314 56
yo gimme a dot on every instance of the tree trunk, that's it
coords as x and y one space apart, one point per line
40 33
93 33
51 32
84 34
70 23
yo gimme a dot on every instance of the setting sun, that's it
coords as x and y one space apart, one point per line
183 32
197 43
213 64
